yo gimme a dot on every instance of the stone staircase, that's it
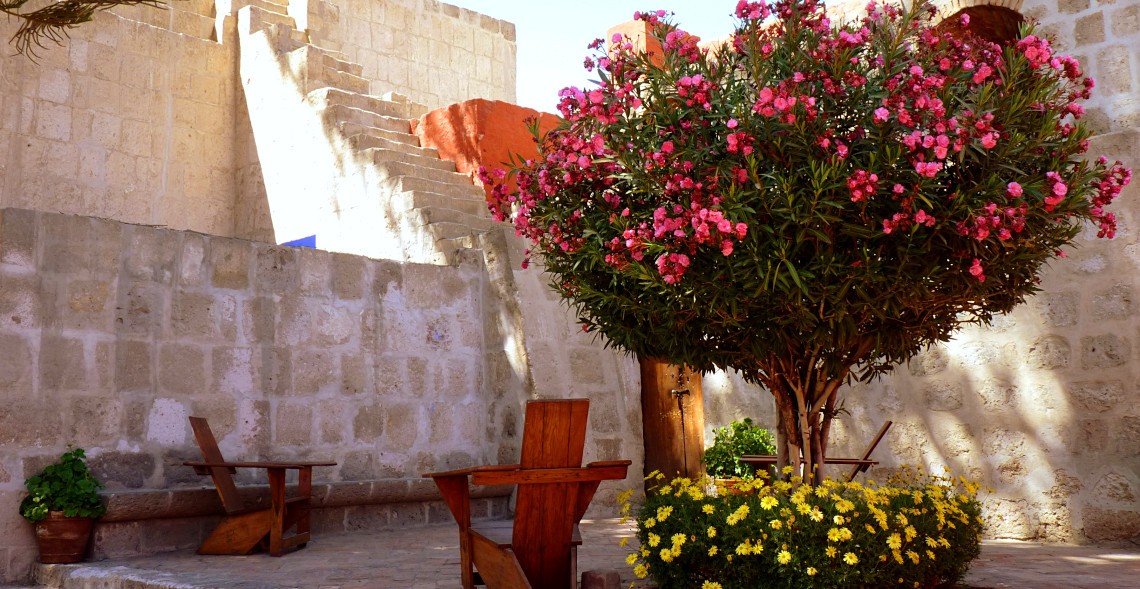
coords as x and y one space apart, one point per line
421 209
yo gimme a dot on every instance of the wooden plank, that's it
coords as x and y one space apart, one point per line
544 526
498 567
277 500
219 471
238 534
467 471
549 475
231 465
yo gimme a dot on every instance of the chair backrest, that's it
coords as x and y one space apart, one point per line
223 477
554 436
870 448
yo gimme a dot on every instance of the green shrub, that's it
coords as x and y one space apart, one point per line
915 531
732 441
66 486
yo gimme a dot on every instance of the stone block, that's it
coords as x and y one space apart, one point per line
166 422
236 369
140 309
169 535
331 421
314 371
403 424
368 424
193 315
192 270
278 371
344 494
601 580
95 420
1128 436
122 470
294 320
229 262
386 274
357 466
349 276
1114 70
334 325
134 365
181 369
1097 396
1072 6
18 231
276 270
1091 436
1114 303
1049 352
1115 488
1089 29
1057 309
997 395
943 396
22 300
116 540
407 515
294 424
28 423
80 245
15 365
1105 351
63 363
368 517
1106 525
1126 20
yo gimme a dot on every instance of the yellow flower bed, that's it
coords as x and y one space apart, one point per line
916 531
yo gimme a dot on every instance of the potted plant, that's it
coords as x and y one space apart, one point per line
739 438
63 502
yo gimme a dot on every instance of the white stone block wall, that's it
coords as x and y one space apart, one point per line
435 53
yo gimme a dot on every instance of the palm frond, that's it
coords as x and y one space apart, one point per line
51 23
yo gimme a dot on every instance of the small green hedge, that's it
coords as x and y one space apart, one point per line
917 531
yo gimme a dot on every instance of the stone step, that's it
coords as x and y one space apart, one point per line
435 215
351 129
339 113
445 230
415 110
402 154
261 19
422 199
281 8
457 193
316 68
455 179
325 97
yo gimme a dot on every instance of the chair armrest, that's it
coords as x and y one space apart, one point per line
285 465
469 470
551 475
605 463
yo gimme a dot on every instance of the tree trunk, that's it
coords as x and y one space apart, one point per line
804 409
673 419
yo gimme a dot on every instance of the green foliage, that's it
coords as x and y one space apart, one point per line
732 441
915 531
52 21
66 486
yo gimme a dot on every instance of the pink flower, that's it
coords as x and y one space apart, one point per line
976 270
881 115
732 123
667 147
1013 189
989 140
726 247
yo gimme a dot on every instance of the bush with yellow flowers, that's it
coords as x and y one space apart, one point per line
916 530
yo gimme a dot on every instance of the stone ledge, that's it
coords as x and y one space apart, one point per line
126 506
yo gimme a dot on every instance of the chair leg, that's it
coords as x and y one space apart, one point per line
277 499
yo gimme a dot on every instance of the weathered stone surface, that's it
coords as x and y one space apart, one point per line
943 396
1072 6
1097 396
1105 351
401 424
63 363
276 270
1114 487
140 310
929 362
1049 352
1066 485
18 229
1114 303
15 364
229 262
1103 525
96 420
181 369
294 424
601 580
1089 29
368 425
21 302
119 470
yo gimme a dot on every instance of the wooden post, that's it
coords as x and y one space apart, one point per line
673 419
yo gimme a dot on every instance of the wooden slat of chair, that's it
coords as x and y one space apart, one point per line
858 468
222 476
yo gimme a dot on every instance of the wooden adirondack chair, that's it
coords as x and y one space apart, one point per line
858 464
538 550
244 529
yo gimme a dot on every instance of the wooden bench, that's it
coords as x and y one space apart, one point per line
860 464
244 529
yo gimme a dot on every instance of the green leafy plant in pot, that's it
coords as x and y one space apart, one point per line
739 438
63 502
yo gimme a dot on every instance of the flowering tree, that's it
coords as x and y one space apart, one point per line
809 203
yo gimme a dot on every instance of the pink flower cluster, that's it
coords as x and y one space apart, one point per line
862 185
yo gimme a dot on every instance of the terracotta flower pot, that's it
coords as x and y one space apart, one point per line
63 539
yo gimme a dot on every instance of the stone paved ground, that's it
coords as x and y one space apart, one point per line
427 558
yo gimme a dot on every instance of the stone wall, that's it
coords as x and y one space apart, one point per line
139 115
112 334
434 53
